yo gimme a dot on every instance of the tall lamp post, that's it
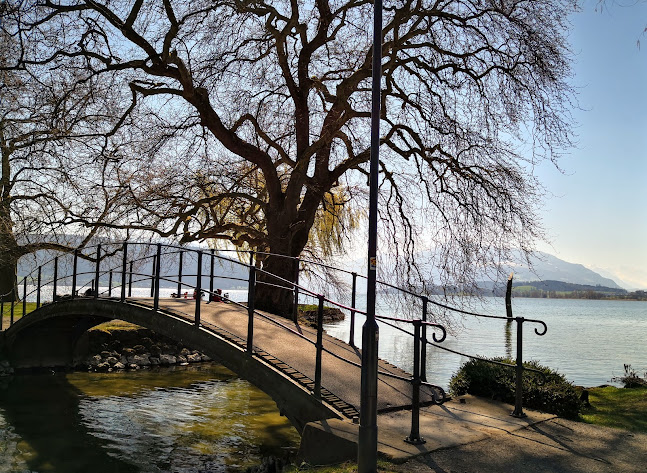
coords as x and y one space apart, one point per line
367 449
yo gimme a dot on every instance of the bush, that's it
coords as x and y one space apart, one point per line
554 394
631 378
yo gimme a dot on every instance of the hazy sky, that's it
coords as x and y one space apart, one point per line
598 215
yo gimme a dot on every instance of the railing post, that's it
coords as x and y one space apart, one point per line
518 404
423 354
13 303
414 437
251 293
295 308
130 279
153 275
74 266
353 296
1 311
24 296
156 279
179 273
198 290
38 287
96 271
110 283
124 265
55 279
319 347
211 270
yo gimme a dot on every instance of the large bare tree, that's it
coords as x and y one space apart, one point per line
51 155
263 111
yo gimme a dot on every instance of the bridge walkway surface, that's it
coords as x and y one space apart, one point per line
295 355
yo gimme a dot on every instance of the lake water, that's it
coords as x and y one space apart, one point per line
587 341
183 419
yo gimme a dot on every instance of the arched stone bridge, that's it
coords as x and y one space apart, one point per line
282 362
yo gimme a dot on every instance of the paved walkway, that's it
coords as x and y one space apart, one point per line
553 446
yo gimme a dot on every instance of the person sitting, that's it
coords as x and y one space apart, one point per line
217 297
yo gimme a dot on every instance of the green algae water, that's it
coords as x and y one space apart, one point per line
183 419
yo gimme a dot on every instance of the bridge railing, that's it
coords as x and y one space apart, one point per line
426 302
127 264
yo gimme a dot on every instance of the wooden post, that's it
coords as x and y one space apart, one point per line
508 297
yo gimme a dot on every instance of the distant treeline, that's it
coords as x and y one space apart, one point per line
564 290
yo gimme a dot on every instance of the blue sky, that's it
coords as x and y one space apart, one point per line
597 215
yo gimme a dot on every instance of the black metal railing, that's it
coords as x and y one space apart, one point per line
131 266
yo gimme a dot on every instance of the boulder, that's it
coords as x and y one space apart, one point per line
194 358
112 361
94 360
139 349
141 360
184 352
167 359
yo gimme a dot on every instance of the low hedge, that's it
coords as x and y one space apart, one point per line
554 394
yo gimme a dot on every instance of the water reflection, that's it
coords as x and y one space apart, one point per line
189 419
43 430
508 339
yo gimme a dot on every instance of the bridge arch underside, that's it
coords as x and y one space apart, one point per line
47 337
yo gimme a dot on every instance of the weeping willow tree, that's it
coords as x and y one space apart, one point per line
261 110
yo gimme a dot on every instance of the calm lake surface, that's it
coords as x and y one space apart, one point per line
587 341
184 419
204 418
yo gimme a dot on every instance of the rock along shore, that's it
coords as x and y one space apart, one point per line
131 349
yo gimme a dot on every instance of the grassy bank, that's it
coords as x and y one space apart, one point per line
624 408
17 312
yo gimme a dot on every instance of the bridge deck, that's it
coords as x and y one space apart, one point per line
340 377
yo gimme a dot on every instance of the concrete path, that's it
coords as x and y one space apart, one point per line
459 422
553 446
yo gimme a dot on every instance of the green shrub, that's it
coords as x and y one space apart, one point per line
631 378
553 394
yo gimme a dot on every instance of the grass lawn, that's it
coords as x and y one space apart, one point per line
624 408
115 326
17 312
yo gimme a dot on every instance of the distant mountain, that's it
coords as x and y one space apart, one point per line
548 267
226 275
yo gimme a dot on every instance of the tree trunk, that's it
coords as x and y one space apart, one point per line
286 240
271 298
8 275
